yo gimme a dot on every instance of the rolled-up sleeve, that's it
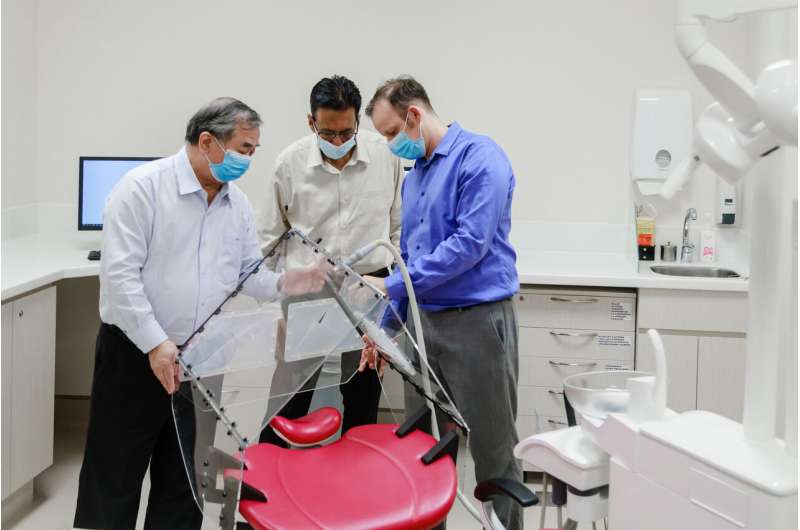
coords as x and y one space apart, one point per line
127 224
482 197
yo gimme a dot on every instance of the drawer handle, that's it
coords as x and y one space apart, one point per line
574 300
555 393
556 422
562 363
576 334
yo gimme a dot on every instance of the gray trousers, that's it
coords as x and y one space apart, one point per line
475 354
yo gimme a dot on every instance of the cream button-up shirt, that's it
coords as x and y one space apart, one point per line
346 209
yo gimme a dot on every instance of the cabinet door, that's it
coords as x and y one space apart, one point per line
8 326
681 368
33 384
720 376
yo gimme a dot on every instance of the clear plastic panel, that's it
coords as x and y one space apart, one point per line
247 361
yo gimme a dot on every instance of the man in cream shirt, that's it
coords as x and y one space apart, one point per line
340 185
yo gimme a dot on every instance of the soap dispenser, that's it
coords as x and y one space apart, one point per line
708 240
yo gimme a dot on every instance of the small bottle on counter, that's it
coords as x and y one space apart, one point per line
708 241
645 236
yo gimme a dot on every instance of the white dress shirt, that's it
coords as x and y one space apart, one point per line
169 258
347 209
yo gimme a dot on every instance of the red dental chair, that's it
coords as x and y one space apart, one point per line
375 476
381 477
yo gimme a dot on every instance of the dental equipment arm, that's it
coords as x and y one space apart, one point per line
748 121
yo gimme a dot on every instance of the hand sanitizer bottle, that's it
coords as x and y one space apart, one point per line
708 241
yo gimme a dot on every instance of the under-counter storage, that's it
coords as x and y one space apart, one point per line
564 331
28 381
704 339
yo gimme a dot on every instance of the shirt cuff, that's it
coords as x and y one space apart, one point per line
395 286
147 336
263 285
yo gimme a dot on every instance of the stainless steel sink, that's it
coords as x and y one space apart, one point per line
702 272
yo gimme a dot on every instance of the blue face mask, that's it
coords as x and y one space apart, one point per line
334 152
232 167
404 147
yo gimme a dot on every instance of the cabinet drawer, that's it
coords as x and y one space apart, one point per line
550 372
541 400
576 311
718 311
529 424
586 344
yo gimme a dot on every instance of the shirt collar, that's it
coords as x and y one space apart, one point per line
187 180
443 149
453 130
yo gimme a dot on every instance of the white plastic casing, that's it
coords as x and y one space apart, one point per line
661 137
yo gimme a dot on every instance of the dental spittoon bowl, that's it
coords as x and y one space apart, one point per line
597 394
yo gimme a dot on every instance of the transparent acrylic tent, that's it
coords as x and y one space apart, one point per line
250 357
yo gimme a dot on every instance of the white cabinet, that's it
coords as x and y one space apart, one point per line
681 368
564 331
8 324
703 333
720 376
28 349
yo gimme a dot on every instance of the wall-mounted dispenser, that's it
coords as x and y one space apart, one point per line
661 137
726 203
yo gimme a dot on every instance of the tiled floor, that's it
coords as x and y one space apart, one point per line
56 488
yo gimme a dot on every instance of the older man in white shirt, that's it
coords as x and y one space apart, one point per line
339 185
177 236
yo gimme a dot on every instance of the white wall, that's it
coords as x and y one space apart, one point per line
19 71
551 82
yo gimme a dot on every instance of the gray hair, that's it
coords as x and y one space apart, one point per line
220 118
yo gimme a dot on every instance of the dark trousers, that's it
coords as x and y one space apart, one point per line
475 353
131 426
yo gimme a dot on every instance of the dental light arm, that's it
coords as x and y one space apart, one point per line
748 121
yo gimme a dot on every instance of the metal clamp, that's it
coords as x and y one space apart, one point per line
561 363
574 300
575 334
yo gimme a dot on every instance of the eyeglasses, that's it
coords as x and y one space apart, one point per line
330 136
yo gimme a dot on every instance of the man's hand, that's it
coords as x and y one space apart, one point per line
162 362
371 357
302 281
378 283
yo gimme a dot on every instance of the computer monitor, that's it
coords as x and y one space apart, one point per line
97 176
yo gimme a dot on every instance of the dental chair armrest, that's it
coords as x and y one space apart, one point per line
489 489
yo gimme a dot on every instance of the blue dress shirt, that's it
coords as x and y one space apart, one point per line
456 221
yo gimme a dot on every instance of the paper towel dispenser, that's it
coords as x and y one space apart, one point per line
661 137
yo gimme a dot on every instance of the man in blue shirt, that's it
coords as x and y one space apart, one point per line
454 238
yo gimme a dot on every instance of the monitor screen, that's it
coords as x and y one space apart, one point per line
98 175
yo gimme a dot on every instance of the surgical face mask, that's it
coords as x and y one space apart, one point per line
404 147
232 167
334 152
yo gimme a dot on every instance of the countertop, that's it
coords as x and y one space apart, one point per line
35 261
609 270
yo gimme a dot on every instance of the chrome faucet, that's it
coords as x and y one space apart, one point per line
687 247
